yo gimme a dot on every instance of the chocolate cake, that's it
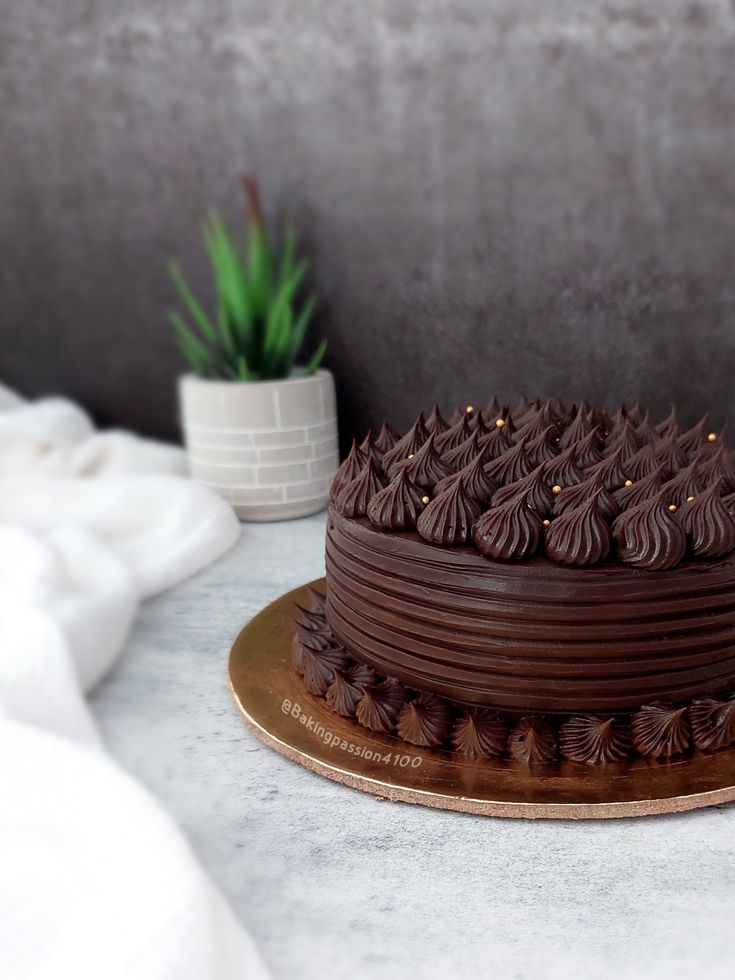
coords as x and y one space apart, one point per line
552 582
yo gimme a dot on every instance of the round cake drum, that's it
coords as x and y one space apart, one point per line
288 719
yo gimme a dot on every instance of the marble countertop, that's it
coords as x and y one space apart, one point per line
331 882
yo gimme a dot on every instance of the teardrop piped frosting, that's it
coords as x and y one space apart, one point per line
586 451
713 723
509 532
594 740
532 740
671 456
611 470
719 464
693 439
476 481
579 493
448 519
643 463
658 730
649 536
346 690
436 424
513 465
708 524
386 439
425 468
623 437
407 445
397 506
455 435
687 483
481 733
579 428
426 720
669 425
563 471
354 498
580 536
350 467
534 488
544 447
496 442
456 459
629 497
379 706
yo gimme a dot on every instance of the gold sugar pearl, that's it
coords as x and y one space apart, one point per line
628 483
500 423
425 500
556 488
470 409
712 437
546 522
410 455
689 499
672 507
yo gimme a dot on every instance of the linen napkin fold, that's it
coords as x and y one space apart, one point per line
95 879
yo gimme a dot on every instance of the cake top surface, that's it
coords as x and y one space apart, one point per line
577 483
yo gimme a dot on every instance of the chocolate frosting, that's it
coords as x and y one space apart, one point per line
643 463
659 730
354 498
670 425
319 667
709 525
407 445
538 422
579 493
456 459
670 454
687 483
350 468
425 467
649 536
580 427
580 536
563 471
713 723
693 439
624 437
317 600
397 506
587 451
436 424
645 430
513 465
532 740
629 497
346 690
481 733
455 435
496 442
425 721
544 446
369 447
509 532
611 470
474 478
386 439
448 519
719 464
492 410
594 740
535 489
379 706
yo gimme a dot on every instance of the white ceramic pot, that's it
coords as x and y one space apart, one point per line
268 447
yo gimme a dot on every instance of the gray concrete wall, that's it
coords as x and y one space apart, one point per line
494 193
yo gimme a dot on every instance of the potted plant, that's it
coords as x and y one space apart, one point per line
259 429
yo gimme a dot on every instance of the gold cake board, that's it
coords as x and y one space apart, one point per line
284 716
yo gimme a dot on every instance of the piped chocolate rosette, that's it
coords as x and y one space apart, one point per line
543 583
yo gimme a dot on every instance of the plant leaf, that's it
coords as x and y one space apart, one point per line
299 329
316 358
191 347
192 304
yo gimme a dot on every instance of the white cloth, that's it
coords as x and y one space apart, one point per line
95 879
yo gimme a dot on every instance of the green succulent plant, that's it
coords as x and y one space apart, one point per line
259 324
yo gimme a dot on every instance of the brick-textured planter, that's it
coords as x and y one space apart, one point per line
268 447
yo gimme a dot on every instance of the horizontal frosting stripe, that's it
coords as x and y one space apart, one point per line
523 695
390 605
504 589
544 659
435 607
